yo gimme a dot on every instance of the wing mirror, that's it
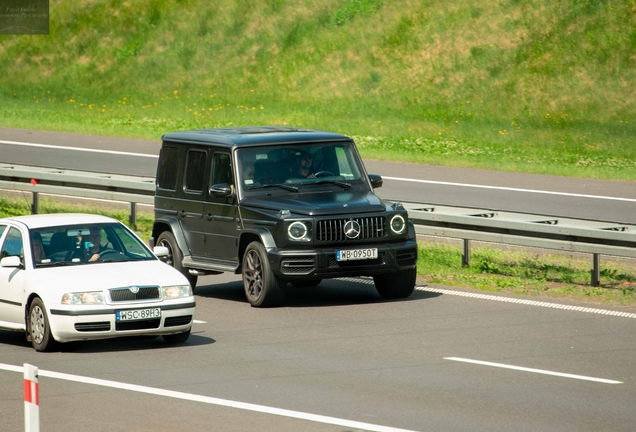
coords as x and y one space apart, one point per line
11 261
376 180
220 190
161 251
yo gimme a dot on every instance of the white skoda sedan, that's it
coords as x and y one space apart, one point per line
71 277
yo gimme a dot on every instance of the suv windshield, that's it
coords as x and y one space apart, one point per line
85 244
291 166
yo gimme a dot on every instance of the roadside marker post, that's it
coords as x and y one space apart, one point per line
31 399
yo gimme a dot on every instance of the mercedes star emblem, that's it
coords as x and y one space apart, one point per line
352 229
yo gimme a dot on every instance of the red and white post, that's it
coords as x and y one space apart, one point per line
31 399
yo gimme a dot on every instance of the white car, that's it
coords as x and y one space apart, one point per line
71 277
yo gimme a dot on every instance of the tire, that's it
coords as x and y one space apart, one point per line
400 284
307 283
175 256
177 338
262 289
38 327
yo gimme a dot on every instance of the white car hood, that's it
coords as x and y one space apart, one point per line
100 276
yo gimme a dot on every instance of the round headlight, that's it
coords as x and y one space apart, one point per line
297 230
398 224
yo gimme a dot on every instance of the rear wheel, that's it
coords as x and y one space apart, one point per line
39 328
262 289
175 257
395 285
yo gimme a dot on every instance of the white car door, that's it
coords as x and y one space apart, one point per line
12 280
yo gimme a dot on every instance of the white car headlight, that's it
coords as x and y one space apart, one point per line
398 224
298 231
85 298
177 291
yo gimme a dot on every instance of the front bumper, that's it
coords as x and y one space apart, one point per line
321 263
99 322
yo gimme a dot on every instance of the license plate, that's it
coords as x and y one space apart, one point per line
138 314
356 254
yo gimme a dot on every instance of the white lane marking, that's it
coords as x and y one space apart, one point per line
527 302
511 189
539 371
210 400
199 322
387 178
26 144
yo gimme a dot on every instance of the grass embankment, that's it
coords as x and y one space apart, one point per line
513 85
491 269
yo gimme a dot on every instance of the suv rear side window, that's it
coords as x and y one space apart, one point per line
195 171
169 162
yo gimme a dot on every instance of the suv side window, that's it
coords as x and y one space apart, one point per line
169 161
195 171
221 169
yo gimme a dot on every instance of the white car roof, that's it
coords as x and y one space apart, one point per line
57 219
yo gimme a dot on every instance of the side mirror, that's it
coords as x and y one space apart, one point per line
220 190
11 261
376 180
161 251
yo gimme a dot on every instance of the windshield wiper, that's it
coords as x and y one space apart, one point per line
282 186
336 182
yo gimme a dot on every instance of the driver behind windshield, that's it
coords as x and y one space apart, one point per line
304 161
95 248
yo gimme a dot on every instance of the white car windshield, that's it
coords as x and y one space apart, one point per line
86 244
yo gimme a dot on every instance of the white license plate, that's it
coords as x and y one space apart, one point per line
356 254
138 314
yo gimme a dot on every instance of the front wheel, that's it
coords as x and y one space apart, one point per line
262 289
175 257
39 328
400 284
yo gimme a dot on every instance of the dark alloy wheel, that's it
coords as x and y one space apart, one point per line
262 289
38 327
395 285
175 257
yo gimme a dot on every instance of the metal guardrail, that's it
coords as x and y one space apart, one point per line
470 224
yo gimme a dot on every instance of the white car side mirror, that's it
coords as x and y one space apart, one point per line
11 261
161 251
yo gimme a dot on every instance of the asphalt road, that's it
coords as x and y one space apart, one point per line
338 350
336 357
546 195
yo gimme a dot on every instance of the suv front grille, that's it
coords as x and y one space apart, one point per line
125 294
332 230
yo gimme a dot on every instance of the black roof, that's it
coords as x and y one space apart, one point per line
252 135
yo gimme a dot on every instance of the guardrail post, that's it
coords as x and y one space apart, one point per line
466 255
35 205
133 215
596 269
31 399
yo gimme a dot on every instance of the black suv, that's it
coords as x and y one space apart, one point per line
279 205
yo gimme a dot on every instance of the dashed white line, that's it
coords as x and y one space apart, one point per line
527 302
210 400
539 371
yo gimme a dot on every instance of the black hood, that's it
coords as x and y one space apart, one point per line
319 204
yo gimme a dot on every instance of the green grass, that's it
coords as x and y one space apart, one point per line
491 269
524 273
510 85
10 206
